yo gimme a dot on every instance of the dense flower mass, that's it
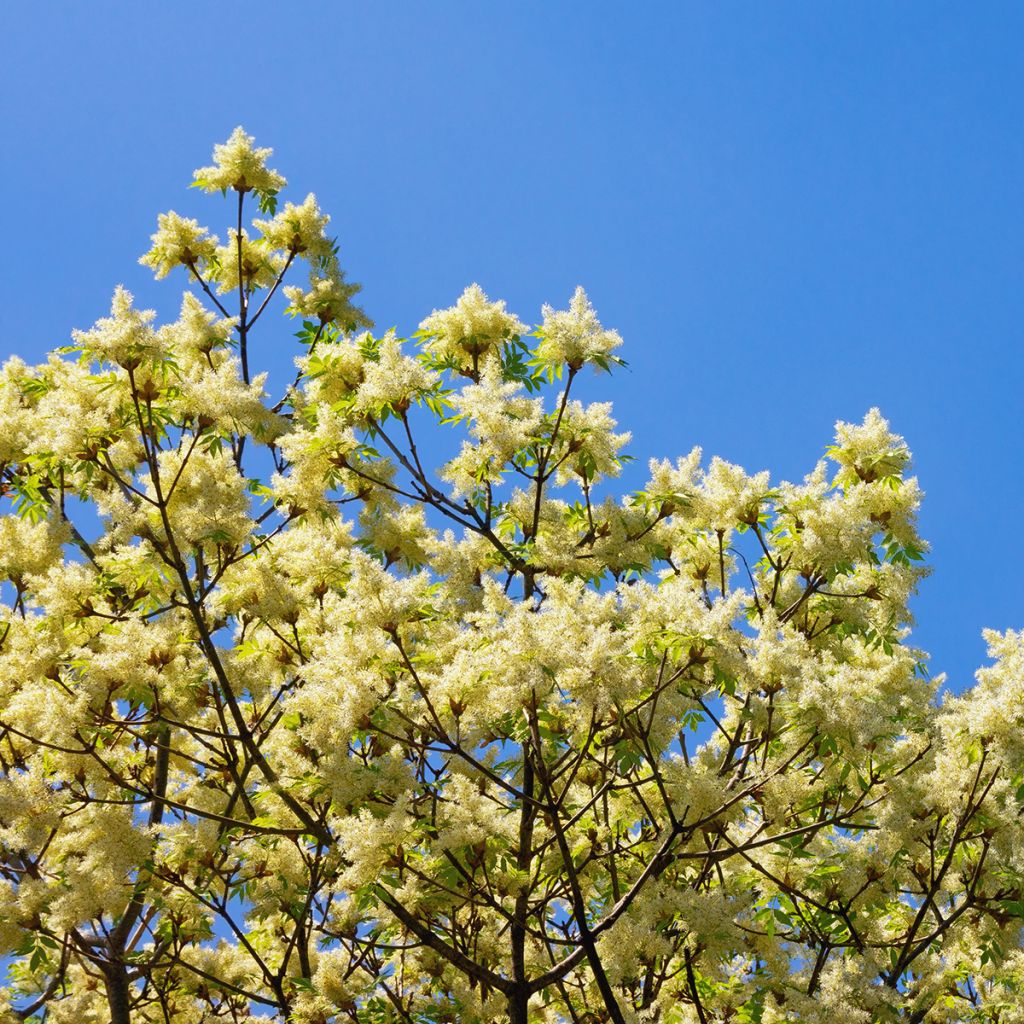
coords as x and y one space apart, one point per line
179 241
463 337
239 165
575 336
296 722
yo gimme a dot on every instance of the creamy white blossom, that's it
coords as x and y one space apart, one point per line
466 333
179 241
239 165
575 336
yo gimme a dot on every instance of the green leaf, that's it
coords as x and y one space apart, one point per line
267 202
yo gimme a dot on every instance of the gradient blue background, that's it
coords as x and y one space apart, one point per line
792 212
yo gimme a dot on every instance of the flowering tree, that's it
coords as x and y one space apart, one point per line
292 724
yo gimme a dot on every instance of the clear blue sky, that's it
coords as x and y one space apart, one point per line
792 212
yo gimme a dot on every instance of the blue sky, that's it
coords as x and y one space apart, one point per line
791 212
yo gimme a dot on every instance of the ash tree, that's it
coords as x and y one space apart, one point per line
296 724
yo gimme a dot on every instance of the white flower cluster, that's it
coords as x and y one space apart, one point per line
575 336
239 165
475 328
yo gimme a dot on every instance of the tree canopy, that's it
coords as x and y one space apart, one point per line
295 723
